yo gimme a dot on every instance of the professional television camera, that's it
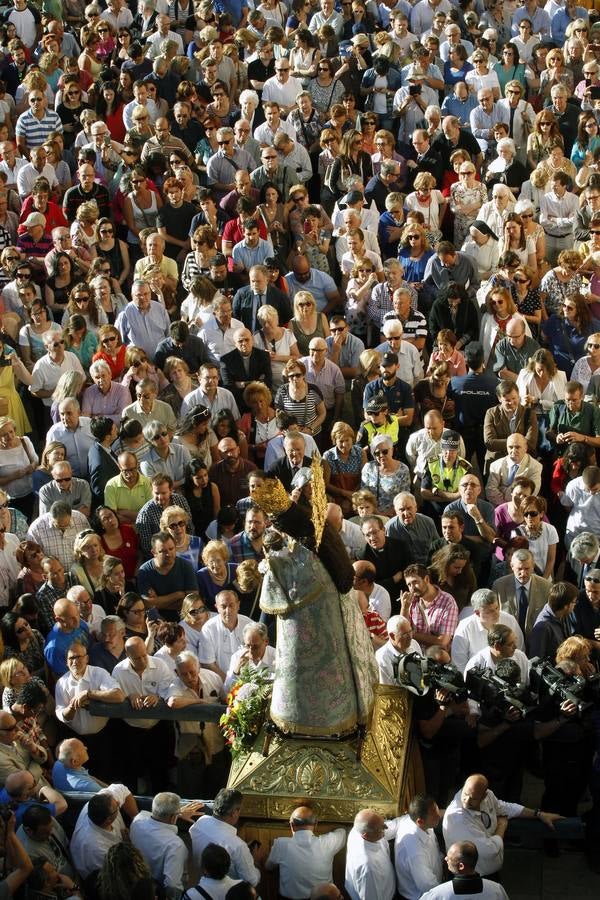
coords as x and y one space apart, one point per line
501 689
550 681
419 674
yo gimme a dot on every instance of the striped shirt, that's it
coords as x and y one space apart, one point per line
304 410
440 617
36 131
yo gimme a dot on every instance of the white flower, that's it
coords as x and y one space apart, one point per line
245 692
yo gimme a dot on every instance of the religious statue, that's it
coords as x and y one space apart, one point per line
325 668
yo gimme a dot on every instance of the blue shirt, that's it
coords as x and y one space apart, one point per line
181 578
319 284
144 329
399 395
462 109
474 395
57 644
24 805
78 444
561 20
66 779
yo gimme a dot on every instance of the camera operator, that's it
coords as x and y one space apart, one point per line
400 641
568 738
502 734
442 726
15 860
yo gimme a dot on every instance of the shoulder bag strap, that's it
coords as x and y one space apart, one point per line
26 449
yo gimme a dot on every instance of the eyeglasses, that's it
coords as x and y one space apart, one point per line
109 340
545 124
380 452
131 469
103 31
160 434
527 215
413 237
197 611
23 275
593 579
180 524
106 231
56 344
79 656
296 375
531 514
594 232
338 330
323 69
62 480
593 346
521 280
223 143
82 298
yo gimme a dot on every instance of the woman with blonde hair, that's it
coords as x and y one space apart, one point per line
307 322
430 202
89 558
467 196
18 461
259 425
83 229
218 573
363 279
415 251
194 616
176 521
279 342
346 459
69 386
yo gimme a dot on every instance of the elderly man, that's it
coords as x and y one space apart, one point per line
147 408
410 366
245 364
49 367
483 118
327 376
501 644
56 531
388 180
378 598
516 464
255 654
248 544
163 33
523 593
303 277
54 587
304 860
260 292
574 419
201 763
73 431
224 633
274 171
19 752
231 473
74 690
147 521
413 527
461 859
209 394
419 864
36 124
74 491
432 612
107 157
143 322
165 579
62 242
584 554
220 829
369 869
155 836
389 556
282 87
471 633
350 533
464 820
128 491
105 397
29 173
157 259
478 514
164 142
218 330
87 189
400 642
293 155
222 165
565 114
109 649
508 417
21 793
454 138
147 743
413 321
67 628
68 772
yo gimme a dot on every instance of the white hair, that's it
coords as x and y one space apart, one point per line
394 622
98 366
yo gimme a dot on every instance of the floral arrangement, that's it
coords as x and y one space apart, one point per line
247 705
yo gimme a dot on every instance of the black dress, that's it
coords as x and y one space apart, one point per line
202 509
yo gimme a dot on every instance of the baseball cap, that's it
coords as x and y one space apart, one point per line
389 359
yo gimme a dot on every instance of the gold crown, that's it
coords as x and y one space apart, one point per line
271 496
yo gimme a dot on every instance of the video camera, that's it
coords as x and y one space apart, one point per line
501 689
420 674
551 682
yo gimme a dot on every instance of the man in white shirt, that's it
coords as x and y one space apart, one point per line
282 87
418 859
369 869
99 827
220 828
304 860
461 860
163 33
426 443
502 644
557 215
476 814
73 693
51 366
364 580
9 568
350 533
471 633
148 743
155 836
224 633
400 642
256 654
410 365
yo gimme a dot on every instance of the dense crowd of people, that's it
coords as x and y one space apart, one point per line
236 239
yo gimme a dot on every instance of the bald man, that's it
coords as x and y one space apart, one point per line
365 580
68 626
22 791
350 533
245 364
476 814
369 869
304 860
516 464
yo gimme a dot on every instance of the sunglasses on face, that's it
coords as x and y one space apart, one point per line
587 578
531 514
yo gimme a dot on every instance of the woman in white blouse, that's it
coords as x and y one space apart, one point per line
540 385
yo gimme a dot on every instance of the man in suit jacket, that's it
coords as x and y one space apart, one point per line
260 292
509 417
516 464
245 364
294 459
425 158
523 594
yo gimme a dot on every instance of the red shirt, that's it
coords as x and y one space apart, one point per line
128 550
54 215
375 623
234 233
117 367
